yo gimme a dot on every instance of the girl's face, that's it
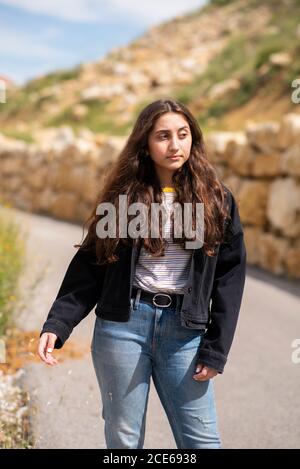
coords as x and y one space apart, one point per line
169 145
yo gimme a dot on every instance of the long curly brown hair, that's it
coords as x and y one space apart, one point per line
133 174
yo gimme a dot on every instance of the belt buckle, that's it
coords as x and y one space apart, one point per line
161 294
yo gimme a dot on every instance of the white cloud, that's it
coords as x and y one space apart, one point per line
148 13
27 53
24 45
21 73
51 32
156 10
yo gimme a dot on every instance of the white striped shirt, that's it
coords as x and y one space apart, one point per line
167 273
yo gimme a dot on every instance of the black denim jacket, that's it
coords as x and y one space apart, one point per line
212 295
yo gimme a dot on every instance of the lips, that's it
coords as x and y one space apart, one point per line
174 156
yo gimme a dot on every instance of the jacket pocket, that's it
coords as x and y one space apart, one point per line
192 324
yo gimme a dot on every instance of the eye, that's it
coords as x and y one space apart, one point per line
163 136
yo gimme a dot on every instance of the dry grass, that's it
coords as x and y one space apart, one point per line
21 348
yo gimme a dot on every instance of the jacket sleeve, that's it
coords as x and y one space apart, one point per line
79 292
226 296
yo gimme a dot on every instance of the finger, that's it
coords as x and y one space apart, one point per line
203 378
42 347
51 361
203 373
45 346
199 367
210 374
50 348
51 342
49 355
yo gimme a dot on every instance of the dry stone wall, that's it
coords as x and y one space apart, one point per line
62 174
262 168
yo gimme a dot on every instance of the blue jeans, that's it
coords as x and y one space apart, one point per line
152 343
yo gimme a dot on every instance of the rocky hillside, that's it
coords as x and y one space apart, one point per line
230 62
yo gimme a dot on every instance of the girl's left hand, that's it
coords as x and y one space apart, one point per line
204 372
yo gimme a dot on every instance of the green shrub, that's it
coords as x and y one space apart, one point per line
97 119
50 79
12 250
26 136
264 54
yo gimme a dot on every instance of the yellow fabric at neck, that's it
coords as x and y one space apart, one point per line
168 189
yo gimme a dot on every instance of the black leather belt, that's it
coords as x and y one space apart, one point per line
161 299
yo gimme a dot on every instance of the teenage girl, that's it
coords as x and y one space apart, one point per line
164 310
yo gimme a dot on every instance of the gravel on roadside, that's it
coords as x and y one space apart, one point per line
14 417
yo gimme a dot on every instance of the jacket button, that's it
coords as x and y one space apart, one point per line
189 289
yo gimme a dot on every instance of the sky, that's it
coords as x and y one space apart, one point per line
40 36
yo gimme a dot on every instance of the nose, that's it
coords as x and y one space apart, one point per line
174 145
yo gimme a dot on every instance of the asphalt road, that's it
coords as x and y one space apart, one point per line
257 396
